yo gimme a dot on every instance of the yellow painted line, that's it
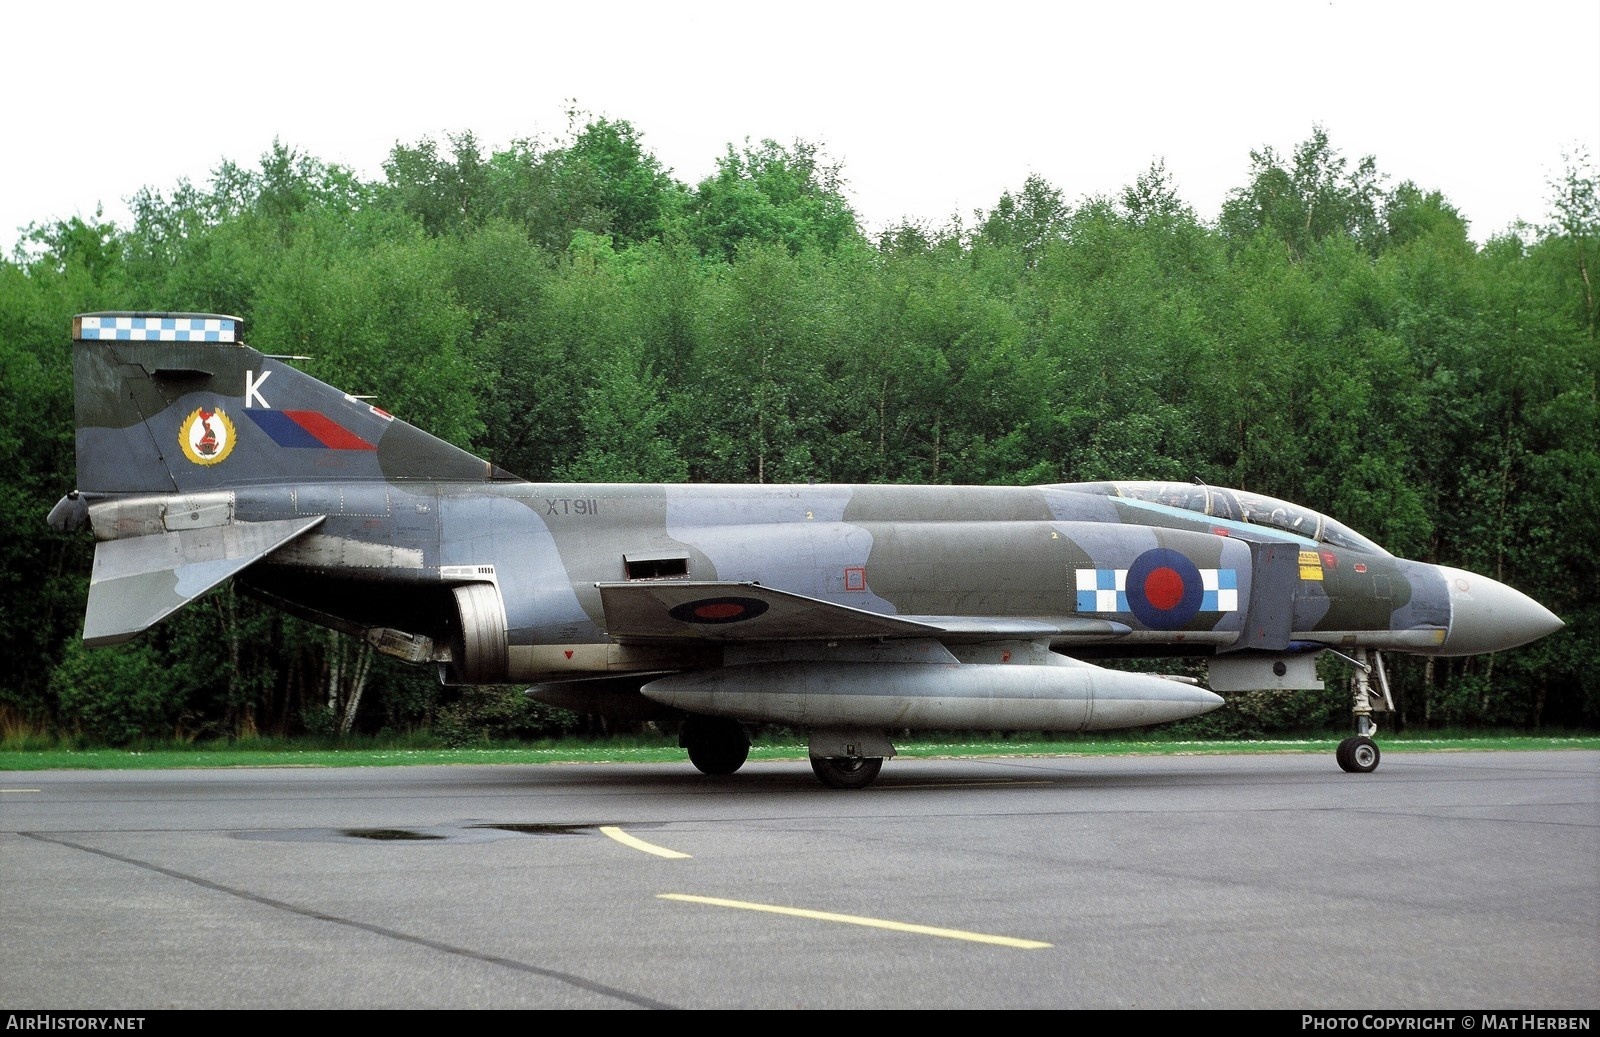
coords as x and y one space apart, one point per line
639 844
875 923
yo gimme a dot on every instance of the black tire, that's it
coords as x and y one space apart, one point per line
717 745
846 772
1358 755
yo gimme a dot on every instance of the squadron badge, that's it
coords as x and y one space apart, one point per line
206 436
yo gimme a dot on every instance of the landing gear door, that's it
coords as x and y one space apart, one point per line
1270 618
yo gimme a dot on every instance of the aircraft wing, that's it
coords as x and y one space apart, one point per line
748 612
141 580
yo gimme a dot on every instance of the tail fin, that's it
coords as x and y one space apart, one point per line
176 403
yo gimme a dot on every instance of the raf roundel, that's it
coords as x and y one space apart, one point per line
718 610
1164 589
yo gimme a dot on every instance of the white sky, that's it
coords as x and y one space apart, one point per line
933 108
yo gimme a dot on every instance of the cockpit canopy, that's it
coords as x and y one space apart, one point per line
1238 506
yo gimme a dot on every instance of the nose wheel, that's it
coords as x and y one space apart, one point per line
1359 754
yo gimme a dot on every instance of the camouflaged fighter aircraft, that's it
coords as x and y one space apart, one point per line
850 612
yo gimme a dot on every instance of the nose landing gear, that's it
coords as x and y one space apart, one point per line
1359 754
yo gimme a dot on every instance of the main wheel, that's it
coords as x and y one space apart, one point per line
717 745
1358 755
846 772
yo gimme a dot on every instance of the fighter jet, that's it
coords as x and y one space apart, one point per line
850 612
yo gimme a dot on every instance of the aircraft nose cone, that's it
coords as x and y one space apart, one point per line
1488 616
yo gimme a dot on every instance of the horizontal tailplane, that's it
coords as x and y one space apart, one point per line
139 581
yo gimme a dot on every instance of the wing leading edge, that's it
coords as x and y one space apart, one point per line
736 612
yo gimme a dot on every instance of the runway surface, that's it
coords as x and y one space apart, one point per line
1454 881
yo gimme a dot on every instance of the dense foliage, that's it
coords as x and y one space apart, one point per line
571 311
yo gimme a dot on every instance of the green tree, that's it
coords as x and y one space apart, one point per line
626 186
381 322
602 181
768 194
43 574
623 418
1312 196
761 372
446 193
1026 221
527 404
1571 242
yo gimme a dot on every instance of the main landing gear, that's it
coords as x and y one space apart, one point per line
848 759
717 745
840 759
846 772
1359 754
